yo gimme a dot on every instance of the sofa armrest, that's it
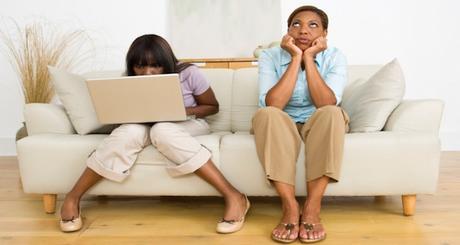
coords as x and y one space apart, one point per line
47 118
416 116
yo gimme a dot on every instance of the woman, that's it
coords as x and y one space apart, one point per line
300 85
150 55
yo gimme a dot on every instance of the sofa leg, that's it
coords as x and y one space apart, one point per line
49 203
408 202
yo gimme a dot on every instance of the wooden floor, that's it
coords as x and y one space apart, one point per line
185 220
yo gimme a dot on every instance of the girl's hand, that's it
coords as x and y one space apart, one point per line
189 111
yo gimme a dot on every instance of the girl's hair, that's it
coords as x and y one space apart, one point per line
321 13
152 50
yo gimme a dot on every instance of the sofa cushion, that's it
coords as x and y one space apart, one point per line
357 75
371 102
42 118
360 72
221 84
73 93
52 163
244 98
245 92
410 116
388 159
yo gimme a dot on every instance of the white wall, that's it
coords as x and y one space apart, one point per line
112 27
422 34
237 26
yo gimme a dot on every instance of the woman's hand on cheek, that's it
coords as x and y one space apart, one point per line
288 44
318 45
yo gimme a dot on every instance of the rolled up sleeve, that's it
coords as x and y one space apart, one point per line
267 76
336 76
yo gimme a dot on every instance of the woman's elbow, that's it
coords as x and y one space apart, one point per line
270 101
326 103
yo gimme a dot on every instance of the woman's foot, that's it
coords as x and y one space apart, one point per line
287 230
236 207
70 215
311 229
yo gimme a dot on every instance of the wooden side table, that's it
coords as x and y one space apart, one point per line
232 63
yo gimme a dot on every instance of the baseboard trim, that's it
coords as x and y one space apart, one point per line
7 147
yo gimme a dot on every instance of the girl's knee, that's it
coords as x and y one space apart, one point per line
137 133
161 131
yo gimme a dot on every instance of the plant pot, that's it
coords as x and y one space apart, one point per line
22 132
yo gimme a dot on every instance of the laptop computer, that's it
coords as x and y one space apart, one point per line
137 99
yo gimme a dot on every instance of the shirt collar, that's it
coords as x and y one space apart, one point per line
286 58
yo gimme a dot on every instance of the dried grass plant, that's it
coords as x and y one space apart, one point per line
35 46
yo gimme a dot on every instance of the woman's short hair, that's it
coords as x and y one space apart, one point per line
152 50
321 13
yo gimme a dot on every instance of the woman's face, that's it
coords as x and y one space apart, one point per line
305 27
147 70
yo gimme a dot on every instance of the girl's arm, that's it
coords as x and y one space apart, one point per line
206 105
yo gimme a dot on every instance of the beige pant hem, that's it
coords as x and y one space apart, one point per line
99 168
282 180
191 165
333 177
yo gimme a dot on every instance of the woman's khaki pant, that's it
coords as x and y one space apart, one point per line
117 153
278 139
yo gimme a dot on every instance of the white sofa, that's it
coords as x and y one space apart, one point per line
403 159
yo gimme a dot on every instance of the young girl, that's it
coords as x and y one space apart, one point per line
150 55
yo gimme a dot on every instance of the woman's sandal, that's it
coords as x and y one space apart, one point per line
289 227
310 227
